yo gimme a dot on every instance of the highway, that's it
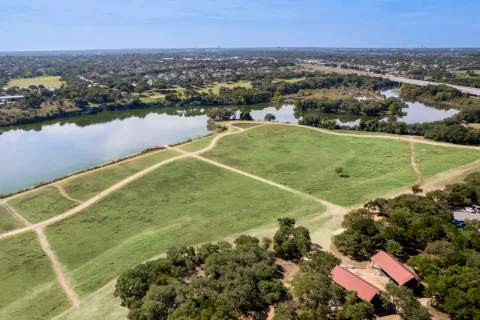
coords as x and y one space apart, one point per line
474 91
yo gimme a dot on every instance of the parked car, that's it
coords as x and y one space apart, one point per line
470 209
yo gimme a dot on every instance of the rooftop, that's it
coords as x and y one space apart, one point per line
352 282
394 268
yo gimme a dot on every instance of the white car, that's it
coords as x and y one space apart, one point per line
471 210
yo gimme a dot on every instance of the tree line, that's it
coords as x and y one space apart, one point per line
391 106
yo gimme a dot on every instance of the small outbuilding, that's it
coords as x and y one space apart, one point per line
352 282
395 269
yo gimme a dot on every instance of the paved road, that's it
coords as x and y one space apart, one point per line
474 91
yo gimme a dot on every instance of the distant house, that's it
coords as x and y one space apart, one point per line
352 282
395 269
7 99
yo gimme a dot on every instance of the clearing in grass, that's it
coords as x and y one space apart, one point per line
47 81
306 160
41 204
7 221
182 203
28 287
88 185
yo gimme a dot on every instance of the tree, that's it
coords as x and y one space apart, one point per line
416 189
318 296
266 243
354 310
290 242
220 114
394 248
269 117
339 170
245 116
406 303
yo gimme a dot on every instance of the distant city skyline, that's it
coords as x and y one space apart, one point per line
28 25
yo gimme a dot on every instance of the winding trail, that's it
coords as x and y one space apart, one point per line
420 179
57 267
65 194
197 155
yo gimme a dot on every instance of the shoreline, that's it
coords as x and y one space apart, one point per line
144 152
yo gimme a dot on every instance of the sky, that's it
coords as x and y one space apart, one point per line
27 25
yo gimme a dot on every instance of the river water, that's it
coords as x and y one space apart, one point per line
30 154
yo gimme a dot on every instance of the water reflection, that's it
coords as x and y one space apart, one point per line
418 112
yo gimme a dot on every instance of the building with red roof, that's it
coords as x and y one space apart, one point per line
352 282
393 268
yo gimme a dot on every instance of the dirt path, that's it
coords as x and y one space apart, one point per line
16 214
65 194
93 200
252 176
277 185
220 136
420 179
57 267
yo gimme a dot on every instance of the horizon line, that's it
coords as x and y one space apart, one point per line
240 48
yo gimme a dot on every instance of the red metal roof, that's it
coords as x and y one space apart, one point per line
352 282
394 268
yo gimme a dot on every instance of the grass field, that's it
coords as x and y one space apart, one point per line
246 125
306 160
88 185
47 81
41 204
216 87
7 221
433 160
197 144
26 281
182 203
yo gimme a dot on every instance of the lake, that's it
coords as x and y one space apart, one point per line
30 154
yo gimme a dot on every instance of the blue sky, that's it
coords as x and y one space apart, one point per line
110 24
